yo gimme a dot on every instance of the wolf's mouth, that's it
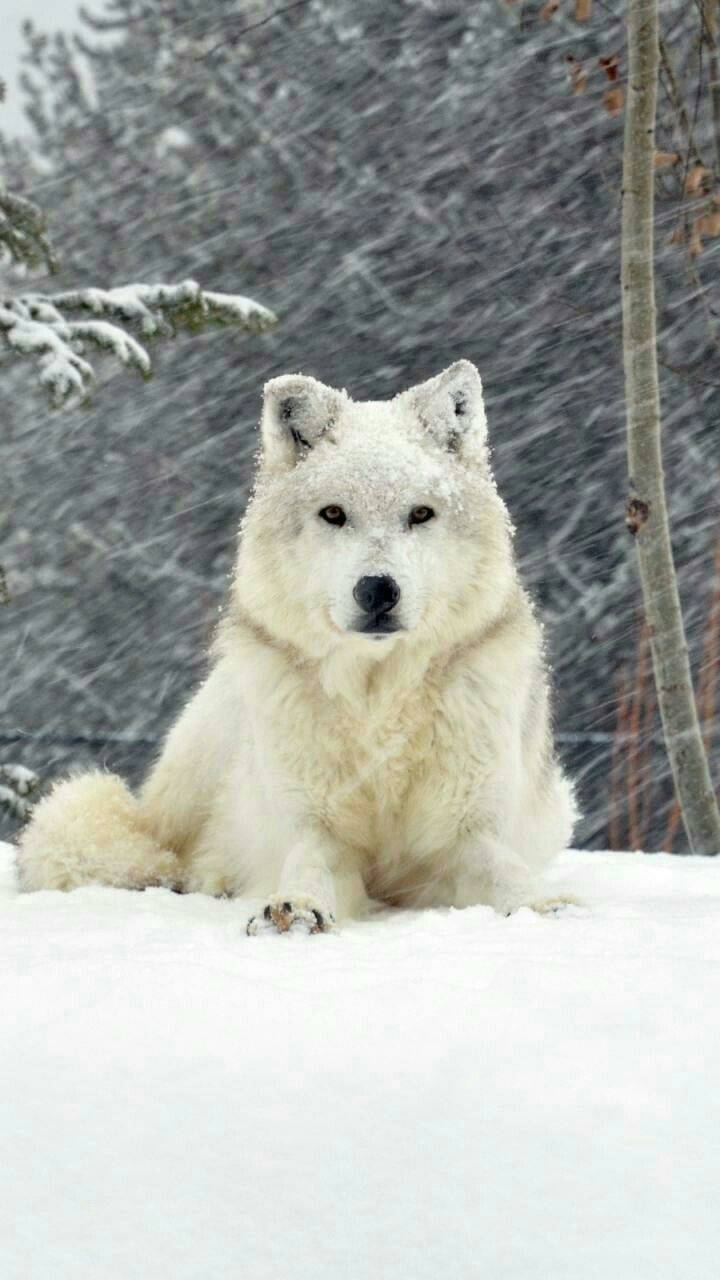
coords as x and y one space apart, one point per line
381 624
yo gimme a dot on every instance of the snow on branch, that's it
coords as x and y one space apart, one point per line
18 786
49 328
161 309
22 232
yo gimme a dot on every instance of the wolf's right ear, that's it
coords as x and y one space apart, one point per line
297 412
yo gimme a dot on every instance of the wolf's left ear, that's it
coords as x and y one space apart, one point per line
297 412
450 407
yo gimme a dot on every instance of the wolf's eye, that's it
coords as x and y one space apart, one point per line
333 515
420 515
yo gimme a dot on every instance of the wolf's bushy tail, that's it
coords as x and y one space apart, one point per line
89 829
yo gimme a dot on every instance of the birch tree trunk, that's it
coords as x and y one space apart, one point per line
647 515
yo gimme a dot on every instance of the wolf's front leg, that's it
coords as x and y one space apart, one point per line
317 887
494 875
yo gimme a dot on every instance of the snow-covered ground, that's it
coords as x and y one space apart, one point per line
435 1094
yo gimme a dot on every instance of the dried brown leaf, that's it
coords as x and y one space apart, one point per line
583 9
611 66
548 10
695 178
665 159
695 241
614 100
708 224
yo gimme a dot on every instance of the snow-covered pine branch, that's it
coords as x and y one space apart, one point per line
49 327
17 790
22 232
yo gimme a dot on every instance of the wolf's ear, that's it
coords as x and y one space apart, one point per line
297 412
450 407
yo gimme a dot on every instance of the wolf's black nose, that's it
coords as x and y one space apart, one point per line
377 595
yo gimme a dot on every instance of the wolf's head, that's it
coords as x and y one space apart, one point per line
376 521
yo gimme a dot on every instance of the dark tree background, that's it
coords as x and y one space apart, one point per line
404 182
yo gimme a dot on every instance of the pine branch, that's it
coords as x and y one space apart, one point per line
22 232
162 310
234 37
48 328
18 788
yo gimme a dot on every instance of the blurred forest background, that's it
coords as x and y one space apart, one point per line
404 182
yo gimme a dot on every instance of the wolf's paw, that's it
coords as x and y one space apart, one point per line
554 906
282 916
544 904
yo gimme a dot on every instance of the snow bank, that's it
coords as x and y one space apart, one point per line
437 1094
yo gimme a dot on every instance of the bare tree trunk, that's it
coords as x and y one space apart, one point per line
647 511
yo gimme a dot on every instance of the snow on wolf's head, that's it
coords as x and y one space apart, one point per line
373 522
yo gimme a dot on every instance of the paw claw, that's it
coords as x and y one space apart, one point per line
323 923
284 916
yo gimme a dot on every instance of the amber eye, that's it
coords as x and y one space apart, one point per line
333 515
420 515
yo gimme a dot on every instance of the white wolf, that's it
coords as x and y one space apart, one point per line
375 725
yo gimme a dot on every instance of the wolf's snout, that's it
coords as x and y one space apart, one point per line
376 595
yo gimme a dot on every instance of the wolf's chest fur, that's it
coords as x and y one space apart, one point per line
375 769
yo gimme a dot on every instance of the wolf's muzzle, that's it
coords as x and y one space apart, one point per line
377 597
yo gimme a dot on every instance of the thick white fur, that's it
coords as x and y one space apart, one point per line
321 767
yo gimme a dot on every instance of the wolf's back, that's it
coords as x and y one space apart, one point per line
89 830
